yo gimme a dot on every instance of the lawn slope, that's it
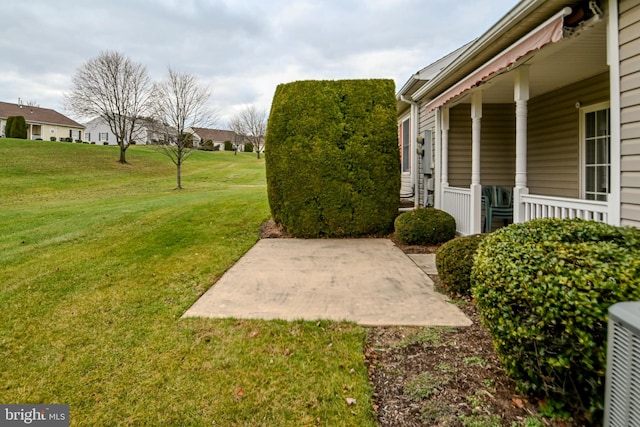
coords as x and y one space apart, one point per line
99 260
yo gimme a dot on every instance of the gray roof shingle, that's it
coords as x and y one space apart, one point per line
215 135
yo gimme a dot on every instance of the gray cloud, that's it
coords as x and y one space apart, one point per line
242 49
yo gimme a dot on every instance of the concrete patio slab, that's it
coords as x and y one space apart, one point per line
368 281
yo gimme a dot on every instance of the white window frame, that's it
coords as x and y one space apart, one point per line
406 137
583 157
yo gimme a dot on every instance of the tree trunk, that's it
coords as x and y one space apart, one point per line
123 158
258 153
178 176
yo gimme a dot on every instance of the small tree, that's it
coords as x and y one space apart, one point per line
116 89
250 124
18 128
180 103
7 126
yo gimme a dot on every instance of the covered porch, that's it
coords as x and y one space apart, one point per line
534 120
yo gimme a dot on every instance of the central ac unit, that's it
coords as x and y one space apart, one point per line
622 387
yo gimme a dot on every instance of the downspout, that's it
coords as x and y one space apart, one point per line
613 59
413 137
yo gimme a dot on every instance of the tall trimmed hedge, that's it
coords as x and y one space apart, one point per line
543 289
333 164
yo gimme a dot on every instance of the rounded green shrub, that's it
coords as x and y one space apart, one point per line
228 146
248 147
425 226
454 260
543 289
206 145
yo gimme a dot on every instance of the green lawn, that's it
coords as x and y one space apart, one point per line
99 260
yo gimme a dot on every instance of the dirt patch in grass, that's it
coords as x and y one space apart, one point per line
441 376
270 230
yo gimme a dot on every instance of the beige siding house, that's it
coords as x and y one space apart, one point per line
545 104
629 71
217 136
42 123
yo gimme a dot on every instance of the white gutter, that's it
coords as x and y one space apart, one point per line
516 14
413 149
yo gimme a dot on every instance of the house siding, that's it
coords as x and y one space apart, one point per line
97 126
427 122
58 132
553 147
629 39
497 147
460 146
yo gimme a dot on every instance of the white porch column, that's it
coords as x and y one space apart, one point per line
444 168
476 188
437 168
442 119
521 97
613 60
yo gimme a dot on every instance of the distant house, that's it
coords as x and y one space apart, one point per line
42 123
217 136
544 104
98 131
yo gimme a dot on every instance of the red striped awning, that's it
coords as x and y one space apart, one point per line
549 32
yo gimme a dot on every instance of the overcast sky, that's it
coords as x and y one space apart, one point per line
241 49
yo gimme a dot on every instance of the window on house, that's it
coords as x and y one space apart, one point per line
103 136
406 165
597 152
87 136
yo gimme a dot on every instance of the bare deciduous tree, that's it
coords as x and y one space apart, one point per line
251 125
180 102
116 89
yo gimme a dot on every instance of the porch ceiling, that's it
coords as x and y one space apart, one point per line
572 59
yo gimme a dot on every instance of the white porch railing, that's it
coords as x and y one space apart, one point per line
535 207
456 201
